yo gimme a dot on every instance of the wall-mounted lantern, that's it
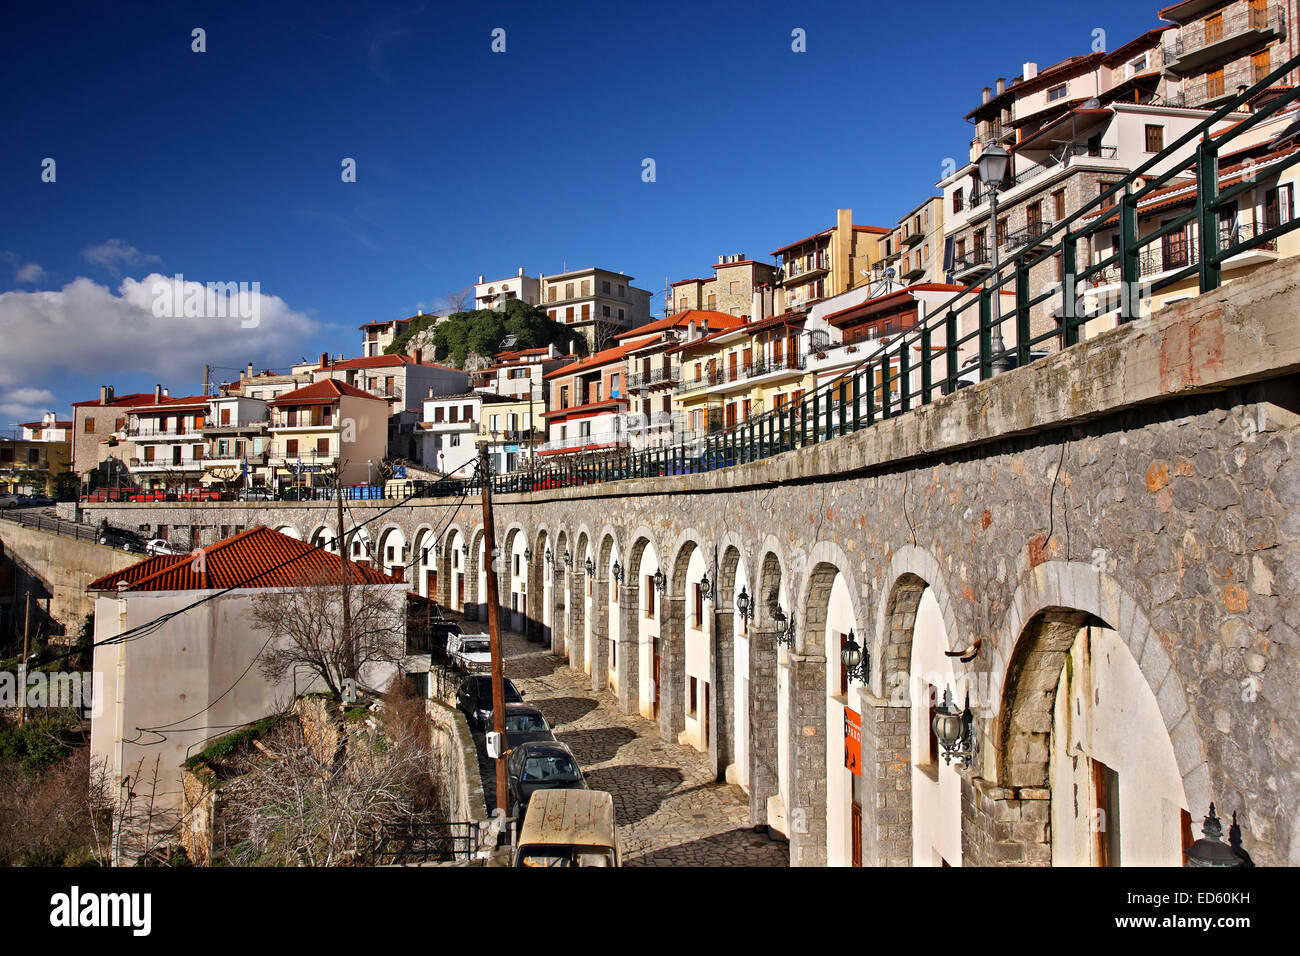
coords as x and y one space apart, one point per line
661 581
617 571
1210 850
744 605
857 662
590 566
784 627
706 586
955 730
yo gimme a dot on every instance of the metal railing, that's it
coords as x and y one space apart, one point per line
1207 32
956 339
45 523
654 377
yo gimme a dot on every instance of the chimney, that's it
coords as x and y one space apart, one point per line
756 303
480 279
157 394
105 394
521 271
250 370
550 350
1002 85
324 359
431 391
988 94
419 356
1031 71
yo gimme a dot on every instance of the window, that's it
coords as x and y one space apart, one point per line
699 607
119 424
586 312
33 455
291 448
149 452
437 414
649 595
468 411
604 287
1105 819
1057 93
586 287
621 292
1058 204
1214 83
734 287
568 290
690 702
323 447
1260 64
958 199
621 314
1214 28
604 311
90 424
568 315
1002 231
1155 138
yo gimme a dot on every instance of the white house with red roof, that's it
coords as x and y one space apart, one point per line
173 674
587 404
167 445
322 427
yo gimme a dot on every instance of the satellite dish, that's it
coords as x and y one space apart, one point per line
1092 103
890 273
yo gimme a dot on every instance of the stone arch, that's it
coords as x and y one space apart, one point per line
424 561
477 573
580 602
767 744
1053 601
560 595
289 531
820 802
456 570
672 635
391 536
541 584
514 590
640 630
324 536
601 638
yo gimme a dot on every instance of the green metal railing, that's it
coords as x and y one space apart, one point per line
927 357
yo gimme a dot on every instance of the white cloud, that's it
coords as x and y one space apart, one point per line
29 274
115 254
87 329
25 405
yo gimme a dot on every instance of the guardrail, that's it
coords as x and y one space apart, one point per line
46 523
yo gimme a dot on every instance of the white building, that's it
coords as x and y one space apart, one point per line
489 294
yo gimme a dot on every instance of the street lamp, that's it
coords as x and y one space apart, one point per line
528 555
744 605
706 587
617 572
590 566
857 662
993 163
550 558
568 558
955 729
785 627
661 581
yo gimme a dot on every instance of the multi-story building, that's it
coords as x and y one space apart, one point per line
519 373
653 371
266 385
597 303
238 437
99 430
377 336
732 288
827 263
1270 158
1056 169
511 427
168 448
326 427
588 404
39 453
1221 47
450 428
914 250
491 294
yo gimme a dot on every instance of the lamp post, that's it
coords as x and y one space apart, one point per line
616 572
857 662
661 581
955 729
744 605
706 587
992 165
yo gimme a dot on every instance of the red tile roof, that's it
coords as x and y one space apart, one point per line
135 398
169 404
44 425
603 357
681 320
325 392
381 361
256 558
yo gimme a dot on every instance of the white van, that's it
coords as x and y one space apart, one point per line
470 652
569 828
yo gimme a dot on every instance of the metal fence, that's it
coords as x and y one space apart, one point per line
46 523
410 843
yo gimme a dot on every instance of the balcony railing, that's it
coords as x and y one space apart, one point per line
1184 250
655 376
1028 236
1211 39
582 441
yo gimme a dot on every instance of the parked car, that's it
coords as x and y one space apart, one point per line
39 500
121 538
205 494
162 546
569 828
256 493
469 652
9 501
474 697
540 765
109 494
524 724
296 493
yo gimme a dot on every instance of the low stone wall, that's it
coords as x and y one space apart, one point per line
456 765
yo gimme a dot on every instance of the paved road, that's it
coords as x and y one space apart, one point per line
670 811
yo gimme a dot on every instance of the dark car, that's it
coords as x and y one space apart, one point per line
256 493
120 538
525 724
540 765
474 697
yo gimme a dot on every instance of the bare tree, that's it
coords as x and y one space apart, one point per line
459 301
305 629
295 806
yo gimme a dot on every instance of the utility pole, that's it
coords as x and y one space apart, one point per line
206 370
22 668
494 625
342 539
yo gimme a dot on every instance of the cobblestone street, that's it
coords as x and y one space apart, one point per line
670 810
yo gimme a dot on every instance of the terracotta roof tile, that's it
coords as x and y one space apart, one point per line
256 558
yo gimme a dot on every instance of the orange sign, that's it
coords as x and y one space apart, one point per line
853 741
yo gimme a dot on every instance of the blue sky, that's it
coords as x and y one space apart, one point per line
224 166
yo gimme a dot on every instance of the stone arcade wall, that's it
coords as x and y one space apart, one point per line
1146 477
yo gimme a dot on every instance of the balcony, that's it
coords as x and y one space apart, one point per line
1216 40
141 465
145 433
970 264
1184 251
393 394
1026 238
797 270
658 376
467 425
600 439
235 461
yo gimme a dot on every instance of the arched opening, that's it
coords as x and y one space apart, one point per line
289 531
560 640
425 564
392 552
519 567
458 561
649 609
935 783
1081 723
699 696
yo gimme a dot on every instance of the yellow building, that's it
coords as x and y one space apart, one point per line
326 426
30 463
828 262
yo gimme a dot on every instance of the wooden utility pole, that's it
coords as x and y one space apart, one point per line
342 540
22 668
494 625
